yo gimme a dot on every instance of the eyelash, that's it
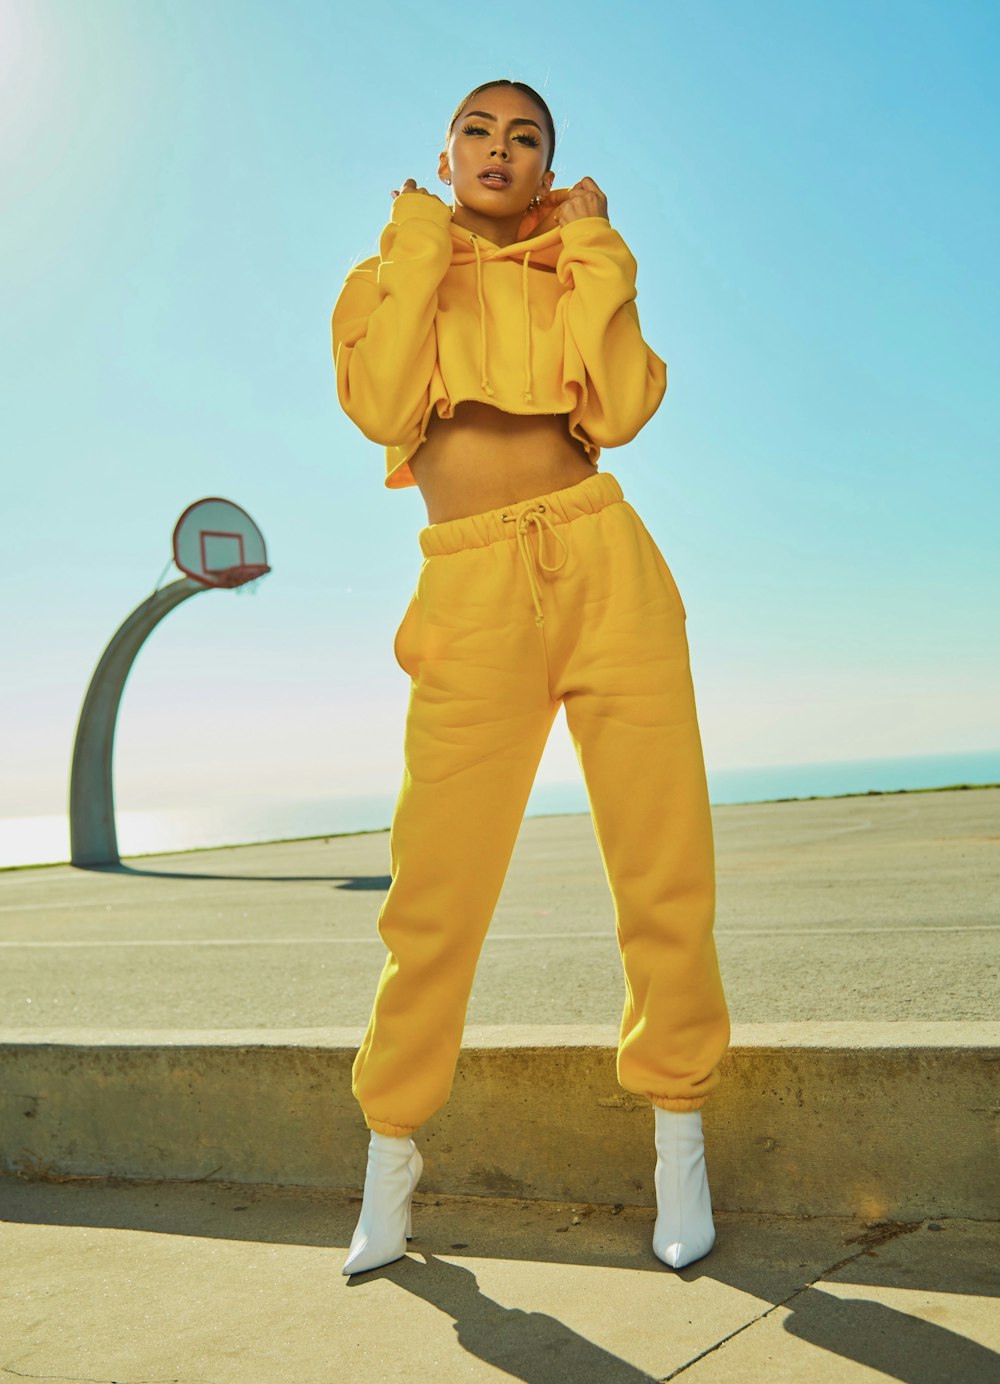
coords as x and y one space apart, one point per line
481 130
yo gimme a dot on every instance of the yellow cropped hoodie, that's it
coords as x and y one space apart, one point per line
441 315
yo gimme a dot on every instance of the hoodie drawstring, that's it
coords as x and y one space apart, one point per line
482 318
534 514
526 312
526 308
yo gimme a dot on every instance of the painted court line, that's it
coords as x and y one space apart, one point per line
831 932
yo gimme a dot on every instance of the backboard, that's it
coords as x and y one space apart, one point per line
218 544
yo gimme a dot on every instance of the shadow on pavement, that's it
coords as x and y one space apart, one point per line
372 883
531 1346
778 1261
896 1344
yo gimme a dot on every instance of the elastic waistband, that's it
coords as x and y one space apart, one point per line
495 525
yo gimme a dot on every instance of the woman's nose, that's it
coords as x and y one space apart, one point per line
495 152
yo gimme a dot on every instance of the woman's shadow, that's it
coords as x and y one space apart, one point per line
526 1345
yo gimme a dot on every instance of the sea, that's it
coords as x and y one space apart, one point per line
39 840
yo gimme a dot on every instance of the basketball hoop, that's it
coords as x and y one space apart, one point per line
247 579
218 544
241 576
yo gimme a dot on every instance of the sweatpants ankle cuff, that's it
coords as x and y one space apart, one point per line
680 1103
383 1127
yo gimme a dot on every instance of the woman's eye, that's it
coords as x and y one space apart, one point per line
480 130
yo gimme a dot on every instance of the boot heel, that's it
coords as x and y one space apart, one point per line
416 1168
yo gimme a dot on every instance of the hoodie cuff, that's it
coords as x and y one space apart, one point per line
592 239
587 228
414 206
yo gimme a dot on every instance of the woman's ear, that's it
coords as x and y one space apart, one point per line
444 169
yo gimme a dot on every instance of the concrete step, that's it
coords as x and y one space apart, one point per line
883 1121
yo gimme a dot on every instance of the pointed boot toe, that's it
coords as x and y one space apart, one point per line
678 1254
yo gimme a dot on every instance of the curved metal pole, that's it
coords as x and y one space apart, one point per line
93 839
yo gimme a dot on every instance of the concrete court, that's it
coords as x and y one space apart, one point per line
832 909
225 1284
875 908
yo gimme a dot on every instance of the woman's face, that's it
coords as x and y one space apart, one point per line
503 129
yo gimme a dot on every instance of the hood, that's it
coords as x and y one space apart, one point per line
541 249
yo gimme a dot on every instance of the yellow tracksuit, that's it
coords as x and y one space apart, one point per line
561 599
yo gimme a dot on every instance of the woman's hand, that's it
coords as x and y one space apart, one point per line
585 199
561 205
411 186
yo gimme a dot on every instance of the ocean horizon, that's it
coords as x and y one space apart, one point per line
44 839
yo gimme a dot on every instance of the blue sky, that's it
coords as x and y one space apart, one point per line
810 193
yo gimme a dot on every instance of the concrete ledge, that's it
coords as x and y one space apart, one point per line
885 1121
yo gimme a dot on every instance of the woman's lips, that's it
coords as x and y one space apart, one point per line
495 177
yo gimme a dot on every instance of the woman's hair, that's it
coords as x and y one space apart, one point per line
528 91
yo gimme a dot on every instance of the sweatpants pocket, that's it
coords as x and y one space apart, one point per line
403 649
659 562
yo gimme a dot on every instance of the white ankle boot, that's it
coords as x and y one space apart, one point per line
385 1225
684 1230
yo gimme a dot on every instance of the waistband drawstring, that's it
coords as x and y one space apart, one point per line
534 514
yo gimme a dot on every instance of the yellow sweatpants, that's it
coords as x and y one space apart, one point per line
561 599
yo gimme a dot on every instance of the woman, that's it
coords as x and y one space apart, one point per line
493 347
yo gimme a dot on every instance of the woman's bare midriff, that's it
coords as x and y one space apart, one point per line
483 458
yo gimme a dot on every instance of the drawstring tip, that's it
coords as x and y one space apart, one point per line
486 388
529 396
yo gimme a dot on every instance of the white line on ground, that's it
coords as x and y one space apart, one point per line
831 932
